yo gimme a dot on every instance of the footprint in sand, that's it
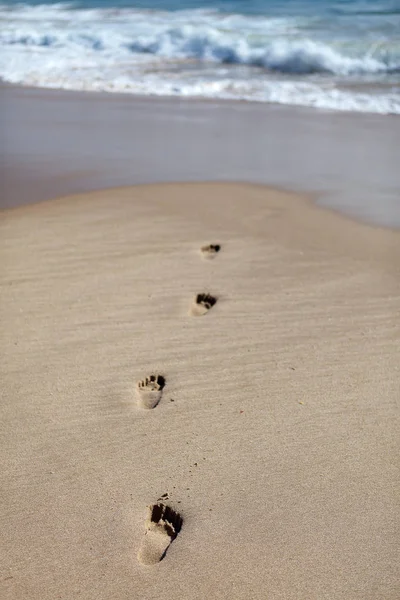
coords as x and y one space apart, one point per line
202 304
149 391
162 526
210 251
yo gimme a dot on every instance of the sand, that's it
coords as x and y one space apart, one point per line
275 436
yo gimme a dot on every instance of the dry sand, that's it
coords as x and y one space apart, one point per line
275 434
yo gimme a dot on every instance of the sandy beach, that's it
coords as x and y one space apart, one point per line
199 300
276 433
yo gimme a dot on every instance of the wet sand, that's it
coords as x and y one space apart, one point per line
56 142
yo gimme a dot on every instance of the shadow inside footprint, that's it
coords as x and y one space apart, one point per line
162 526
202 304
210 250
149 391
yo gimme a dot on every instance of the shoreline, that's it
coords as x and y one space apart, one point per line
303 203
196 99
309 201
270 151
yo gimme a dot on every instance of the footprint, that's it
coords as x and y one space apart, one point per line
202 304
162 526
210 251
149 391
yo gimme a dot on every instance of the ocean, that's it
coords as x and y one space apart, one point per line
331 55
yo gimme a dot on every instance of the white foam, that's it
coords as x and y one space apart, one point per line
148 52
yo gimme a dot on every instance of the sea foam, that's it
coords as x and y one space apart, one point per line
196 53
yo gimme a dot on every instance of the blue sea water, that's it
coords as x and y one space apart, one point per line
330 54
